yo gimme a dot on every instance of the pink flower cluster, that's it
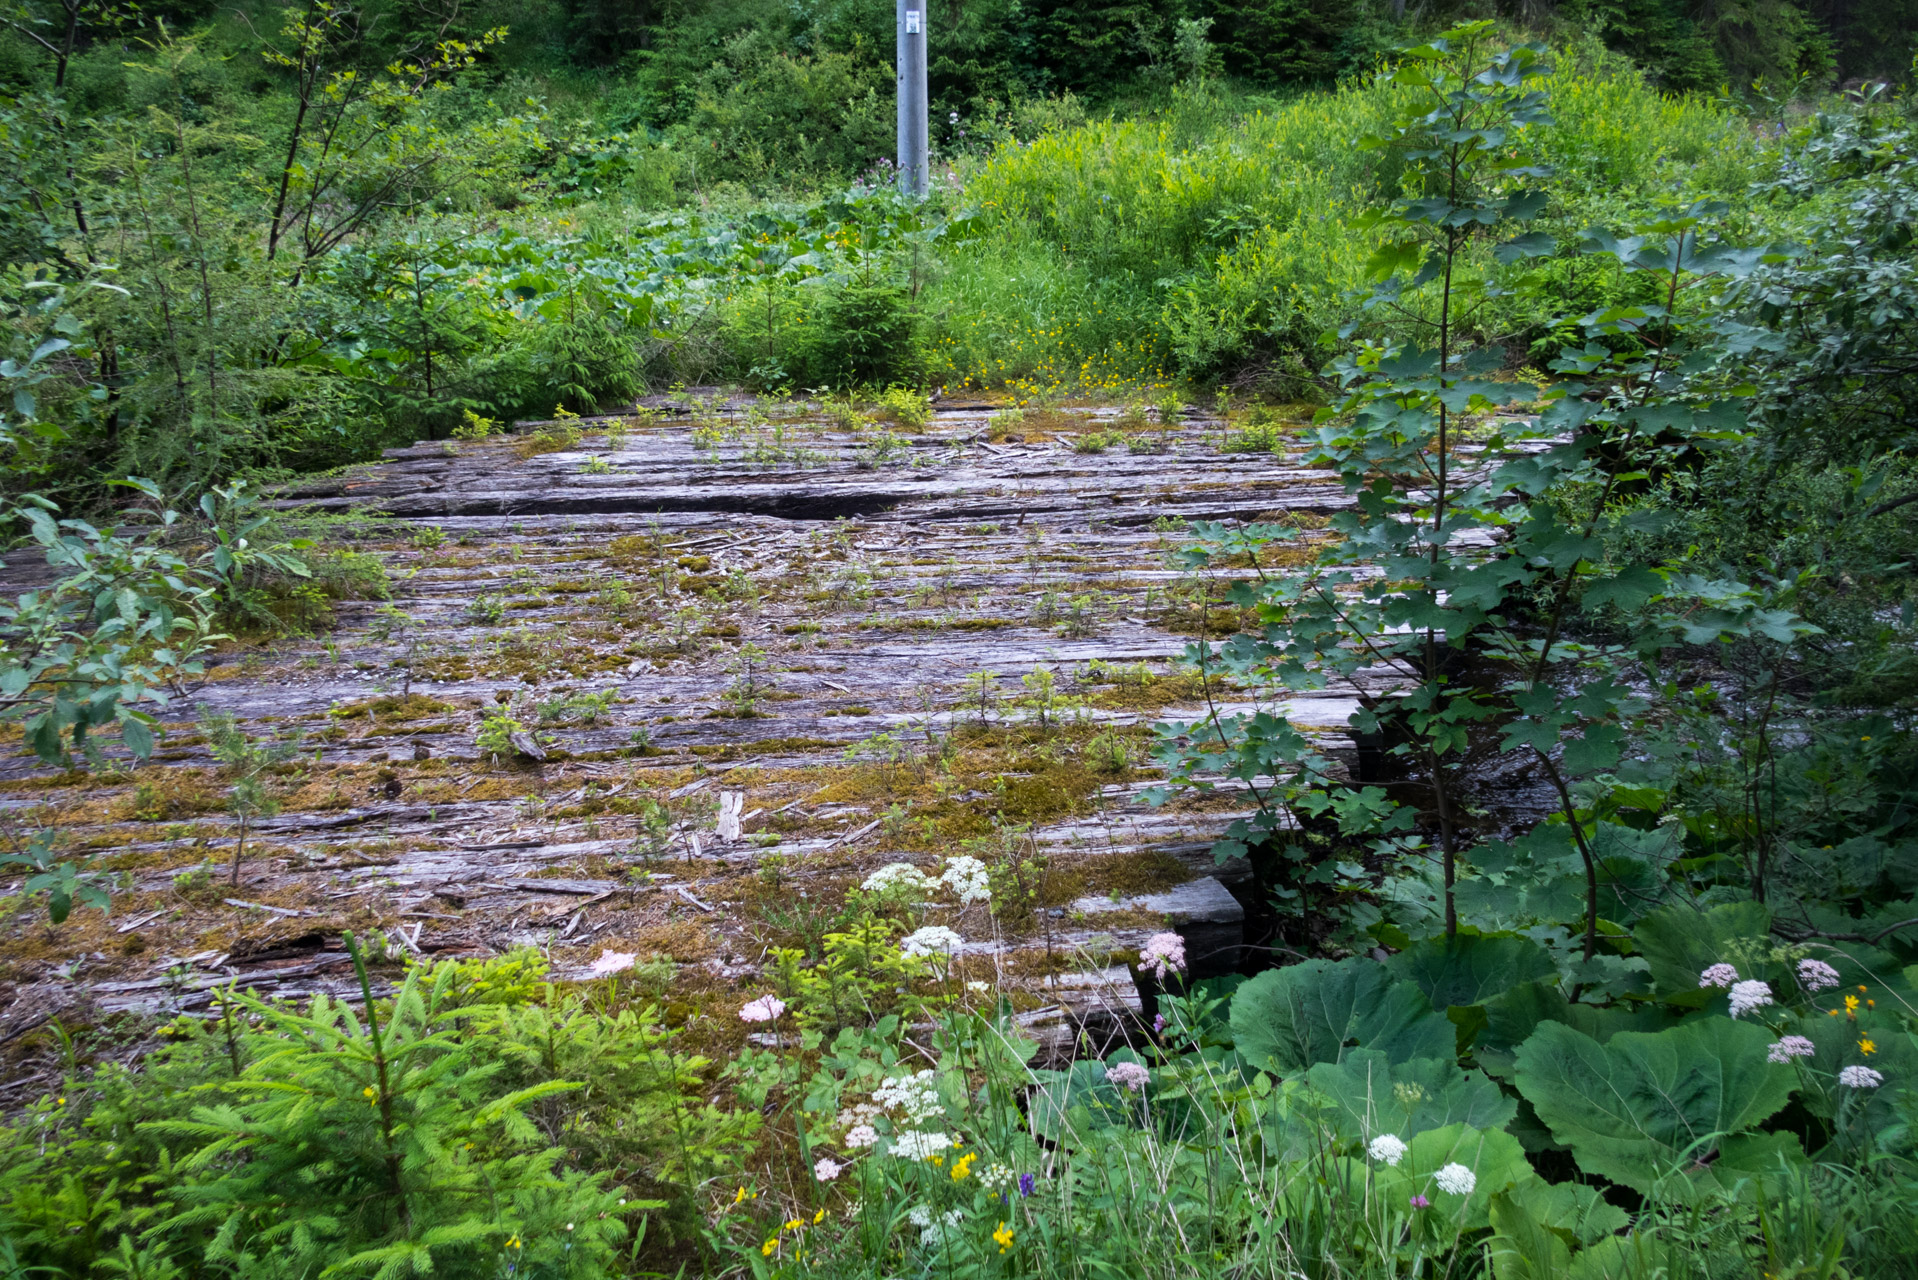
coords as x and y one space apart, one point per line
1719 975
1790 1047
1129 1075
1816 975
1163 953
764 1009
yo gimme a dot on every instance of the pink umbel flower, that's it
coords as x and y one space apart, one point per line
1719 975
1860 1078
827 1169
1790 1047
1816 975
1129 1076
1163 953
1747 996
613 962
764 1009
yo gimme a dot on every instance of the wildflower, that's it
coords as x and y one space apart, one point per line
1851 1007
826 1169
1719 975
1816 975
967 879
861 1135
1387 1148
1860 1078
898 875
1456 1179
1747 996
739 1196
978 988
934 938
766 1250
996 1177
819 1217
962 1167
764 1009
1164 953
1158 1024
1868 1045
1003 1237
1790 1047
916 1095
916 1144
792 1225
613 962
919 1216
1420 1202
513 1243
1129 1075
1026 1183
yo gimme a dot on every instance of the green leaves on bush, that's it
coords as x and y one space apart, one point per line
1640 1107
1287 1019
1374 1096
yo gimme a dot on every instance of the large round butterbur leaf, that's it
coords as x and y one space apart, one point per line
1641 1107
1470 969
1285 1020
1496 1159
1374 1096
1680 943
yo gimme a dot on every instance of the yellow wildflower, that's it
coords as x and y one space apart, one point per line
1003 1237
1867 1045
962 1167
766 1250
793 1225
819 1217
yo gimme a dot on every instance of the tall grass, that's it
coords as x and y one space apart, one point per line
1217 240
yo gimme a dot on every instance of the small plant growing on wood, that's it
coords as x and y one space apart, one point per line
905 406
246 760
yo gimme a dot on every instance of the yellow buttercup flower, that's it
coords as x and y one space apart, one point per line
962 1167
1003 1237
766 1250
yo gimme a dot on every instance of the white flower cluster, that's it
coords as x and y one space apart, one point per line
862 1135
899 876
917 1144
1860 1078
967 879
916 1096
1747 996
1387 1148
1455 1179
934 939
1790 1047
996 1177
929 1227
1130 1076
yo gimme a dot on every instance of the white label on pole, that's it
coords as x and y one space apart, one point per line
912 22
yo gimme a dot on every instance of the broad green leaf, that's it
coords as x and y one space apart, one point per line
1496 1160
1469 968
1574 1211
1523 1248
1287 1019
1641 1107
1679 943
1374 1096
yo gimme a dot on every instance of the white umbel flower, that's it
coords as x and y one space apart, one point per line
1747 996
934 939
967 879
916 1144
1455 1179
1387 1148
901 876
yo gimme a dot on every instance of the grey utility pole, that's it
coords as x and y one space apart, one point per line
913 164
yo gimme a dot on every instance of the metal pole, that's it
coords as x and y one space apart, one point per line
914 168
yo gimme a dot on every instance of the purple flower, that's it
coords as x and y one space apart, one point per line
1158 1025
1718 975
1163 953
1420 1202
1790 1047
1816 975
1026 1182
